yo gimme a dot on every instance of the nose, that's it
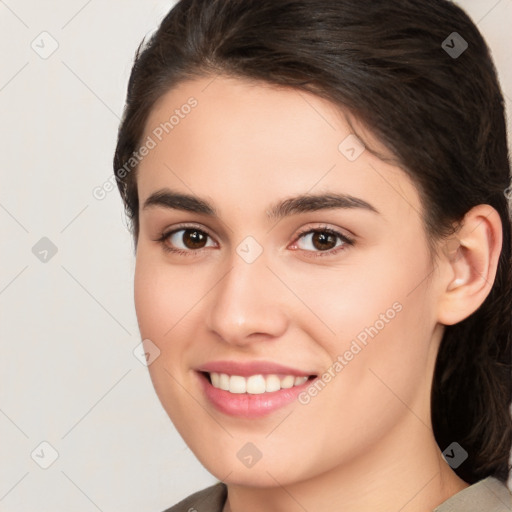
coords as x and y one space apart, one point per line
248 304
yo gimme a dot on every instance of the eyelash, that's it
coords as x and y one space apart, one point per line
346 241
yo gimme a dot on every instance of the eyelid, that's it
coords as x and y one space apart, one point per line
349 239
185 226
346 240
162 239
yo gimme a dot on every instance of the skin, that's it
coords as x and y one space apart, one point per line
365 442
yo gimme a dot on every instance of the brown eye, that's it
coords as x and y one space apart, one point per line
321 240
187 239
194 239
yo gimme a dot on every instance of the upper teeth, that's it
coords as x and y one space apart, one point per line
255 384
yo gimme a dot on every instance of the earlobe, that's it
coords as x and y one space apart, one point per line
470 260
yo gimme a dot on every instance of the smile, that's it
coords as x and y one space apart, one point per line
251 389
254 384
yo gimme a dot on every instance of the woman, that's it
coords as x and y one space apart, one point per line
323 265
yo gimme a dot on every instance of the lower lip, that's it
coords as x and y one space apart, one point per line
247 405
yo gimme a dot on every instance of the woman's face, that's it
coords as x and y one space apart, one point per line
336 297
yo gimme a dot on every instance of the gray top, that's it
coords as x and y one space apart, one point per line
488 495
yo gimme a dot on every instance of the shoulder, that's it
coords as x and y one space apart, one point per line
211 499
487 495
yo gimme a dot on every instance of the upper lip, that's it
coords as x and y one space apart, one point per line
245 369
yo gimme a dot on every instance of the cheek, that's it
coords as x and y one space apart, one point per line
383 323
168 302
151 300
162 296
162 301
376 314
361 299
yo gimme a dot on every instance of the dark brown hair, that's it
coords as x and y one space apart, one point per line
440 114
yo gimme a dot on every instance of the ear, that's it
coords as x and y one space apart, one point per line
468 263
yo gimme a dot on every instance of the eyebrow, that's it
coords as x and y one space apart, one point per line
169 199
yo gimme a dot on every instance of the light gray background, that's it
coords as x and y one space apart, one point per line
67 326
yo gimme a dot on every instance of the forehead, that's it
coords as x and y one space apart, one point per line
247 142
229 112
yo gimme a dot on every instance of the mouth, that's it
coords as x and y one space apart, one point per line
252 391
255 384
